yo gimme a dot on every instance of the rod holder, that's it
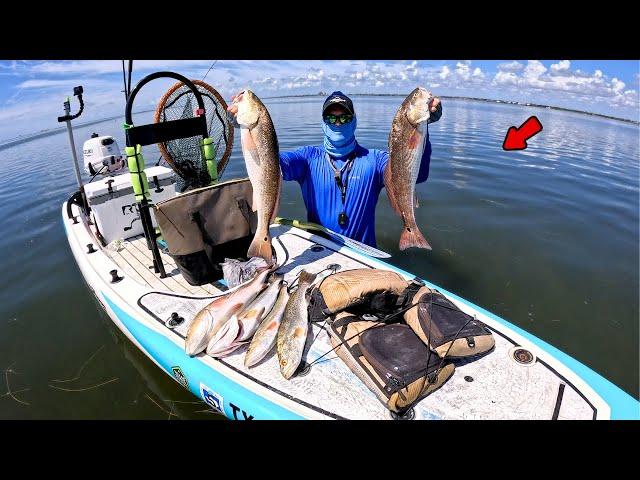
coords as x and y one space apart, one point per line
90 248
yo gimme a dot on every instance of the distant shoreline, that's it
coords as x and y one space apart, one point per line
23 138
46 133
475 99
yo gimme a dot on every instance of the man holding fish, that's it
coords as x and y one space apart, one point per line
263 312
341 180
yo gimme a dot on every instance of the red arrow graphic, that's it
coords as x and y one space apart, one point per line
516 138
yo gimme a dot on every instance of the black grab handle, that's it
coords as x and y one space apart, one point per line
153 76
165 131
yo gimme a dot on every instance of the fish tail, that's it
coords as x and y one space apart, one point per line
412 237
261 247
306 277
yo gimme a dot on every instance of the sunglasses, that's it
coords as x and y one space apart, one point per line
343 117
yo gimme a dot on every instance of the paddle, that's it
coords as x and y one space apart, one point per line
349 242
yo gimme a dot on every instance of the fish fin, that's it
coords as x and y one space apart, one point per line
223 339
388 183
232 348
416 203
244 333
412 237
306 277
247 142
415 139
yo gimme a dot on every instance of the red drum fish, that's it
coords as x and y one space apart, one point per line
406 145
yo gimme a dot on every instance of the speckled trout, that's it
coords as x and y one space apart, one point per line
292 333
261 156
265 337
406 145
212 317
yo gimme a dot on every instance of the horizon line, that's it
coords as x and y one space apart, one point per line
41 133
480 99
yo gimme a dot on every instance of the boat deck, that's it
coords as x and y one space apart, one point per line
136 260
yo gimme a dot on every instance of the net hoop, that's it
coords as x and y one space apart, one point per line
205 89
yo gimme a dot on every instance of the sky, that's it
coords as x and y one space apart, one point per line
32 92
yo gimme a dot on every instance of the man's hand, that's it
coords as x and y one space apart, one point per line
433 104
435 107
233 107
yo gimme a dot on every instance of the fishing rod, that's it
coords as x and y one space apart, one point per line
67 117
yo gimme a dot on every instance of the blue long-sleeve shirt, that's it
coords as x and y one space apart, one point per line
323 199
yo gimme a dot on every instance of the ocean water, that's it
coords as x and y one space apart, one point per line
546 238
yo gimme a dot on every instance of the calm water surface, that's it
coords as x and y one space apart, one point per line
546 238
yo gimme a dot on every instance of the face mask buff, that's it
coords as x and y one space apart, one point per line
339 140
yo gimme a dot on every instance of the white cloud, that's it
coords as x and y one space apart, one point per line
462 71
560 66
583 85
532 73
69 83
40 86
477 74
513 66
617 85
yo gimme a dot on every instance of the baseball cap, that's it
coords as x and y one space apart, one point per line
338 98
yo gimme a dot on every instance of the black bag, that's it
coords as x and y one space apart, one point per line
445 328
389 359
202 227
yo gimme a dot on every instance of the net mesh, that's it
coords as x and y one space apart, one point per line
184 155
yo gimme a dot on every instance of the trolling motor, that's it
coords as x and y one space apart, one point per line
67 117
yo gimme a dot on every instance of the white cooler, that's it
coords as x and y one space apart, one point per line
114 205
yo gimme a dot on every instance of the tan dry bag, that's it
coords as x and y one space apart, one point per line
202 227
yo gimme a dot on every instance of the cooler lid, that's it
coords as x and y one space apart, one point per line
100 187
122 182
159 171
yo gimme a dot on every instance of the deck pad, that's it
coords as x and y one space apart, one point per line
491 386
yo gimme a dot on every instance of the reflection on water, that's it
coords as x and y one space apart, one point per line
546 237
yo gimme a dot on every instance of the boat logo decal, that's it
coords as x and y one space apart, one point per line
180 377
211 398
